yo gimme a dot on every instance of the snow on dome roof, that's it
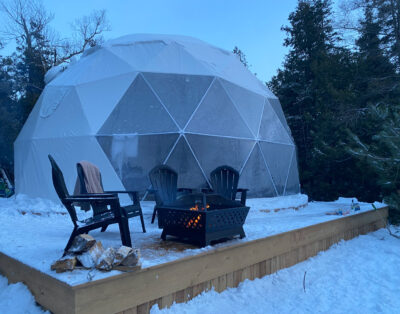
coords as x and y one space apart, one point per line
168 54
139 38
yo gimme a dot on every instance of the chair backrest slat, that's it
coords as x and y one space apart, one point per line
165 181
224 181
61 188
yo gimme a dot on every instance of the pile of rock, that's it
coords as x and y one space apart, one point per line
87 253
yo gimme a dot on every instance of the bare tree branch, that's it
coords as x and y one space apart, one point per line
88 30
28 20
23 18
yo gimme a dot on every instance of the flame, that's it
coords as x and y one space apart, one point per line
196 207
193 222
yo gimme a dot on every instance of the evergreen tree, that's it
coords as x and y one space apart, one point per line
389 20
383 154
315 90
376 78
9 114
377 142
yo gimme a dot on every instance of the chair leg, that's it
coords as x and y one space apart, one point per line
104 228
154 215
142 221
124 231
71 239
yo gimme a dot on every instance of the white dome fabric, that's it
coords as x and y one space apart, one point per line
142 100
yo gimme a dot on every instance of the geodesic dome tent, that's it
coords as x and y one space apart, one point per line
143 100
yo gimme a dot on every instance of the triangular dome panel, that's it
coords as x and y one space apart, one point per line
275 104
133 156
293 184
175 59
138 112
271 129
215 59
249 105
278 158
184 163
65 119
99 98
180 93
217 115
99 65
214 151
237 73
138 54
255 175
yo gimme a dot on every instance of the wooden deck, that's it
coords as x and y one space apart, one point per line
185 278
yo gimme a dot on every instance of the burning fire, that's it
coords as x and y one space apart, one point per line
196 207
192 223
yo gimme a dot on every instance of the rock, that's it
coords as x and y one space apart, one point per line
89 259
121 254
82 243
132 259
106 260
67 263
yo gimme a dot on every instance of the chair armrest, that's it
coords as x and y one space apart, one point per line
122 192
111 200
184 189
243 195
90 195
134 195
97 199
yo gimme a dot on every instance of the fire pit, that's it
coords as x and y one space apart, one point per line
203 218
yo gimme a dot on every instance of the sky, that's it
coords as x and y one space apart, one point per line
254 25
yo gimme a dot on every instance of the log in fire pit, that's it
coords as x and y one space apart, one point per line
202 218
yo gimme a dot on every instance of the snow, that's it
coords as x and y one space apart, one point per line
35 231
17 299
356 276
52 73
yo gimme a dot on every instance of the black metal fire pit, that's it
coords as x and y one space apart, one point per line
203 218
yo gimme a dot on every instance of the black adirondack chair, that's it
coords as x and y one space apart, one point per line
224 181
133 210
112 212
164 181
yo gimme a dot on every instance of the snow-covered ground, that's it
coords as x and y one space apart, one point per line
16 299
356 276
35 232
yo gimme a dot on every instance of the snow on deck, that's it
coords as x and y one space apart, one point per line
35 232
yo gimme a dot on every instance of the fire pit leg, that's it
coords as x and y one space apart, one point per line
242 234
164 235
205 242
